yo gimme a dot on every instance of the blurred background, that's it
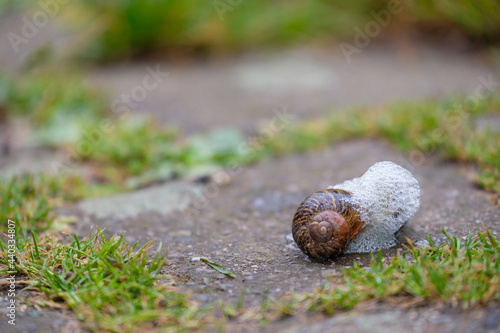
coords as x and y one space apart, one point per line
105 31
150 89
165 98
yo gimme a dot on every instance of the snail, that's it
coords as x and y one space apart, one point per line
325 222
359 215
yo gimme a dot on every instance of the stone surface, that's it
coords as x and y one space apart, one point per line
35 319
245 226
243 91
420 320
162 199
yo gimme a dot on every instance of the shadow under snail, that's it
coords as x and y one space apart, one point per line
369 209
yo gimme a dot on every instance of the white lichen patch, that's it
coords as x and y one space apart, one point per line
387 196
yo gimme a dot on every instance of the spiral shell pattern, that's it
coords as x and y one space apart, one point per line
324 223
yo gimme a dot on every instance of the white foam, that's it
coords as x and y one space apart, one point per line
387 196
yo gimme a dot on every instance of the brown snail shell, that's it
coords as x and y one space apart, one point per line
325 223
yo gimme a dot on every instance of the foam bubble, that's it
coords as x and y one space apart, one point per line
387 196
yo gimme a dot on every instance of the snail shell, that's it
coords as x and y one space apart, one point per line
324 223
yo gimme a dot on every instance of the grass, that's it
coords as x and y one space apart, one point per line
461 273
53 100
30 200
10 5
478 19
138 152
132 28
66 113
445 128
27 202
112 286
